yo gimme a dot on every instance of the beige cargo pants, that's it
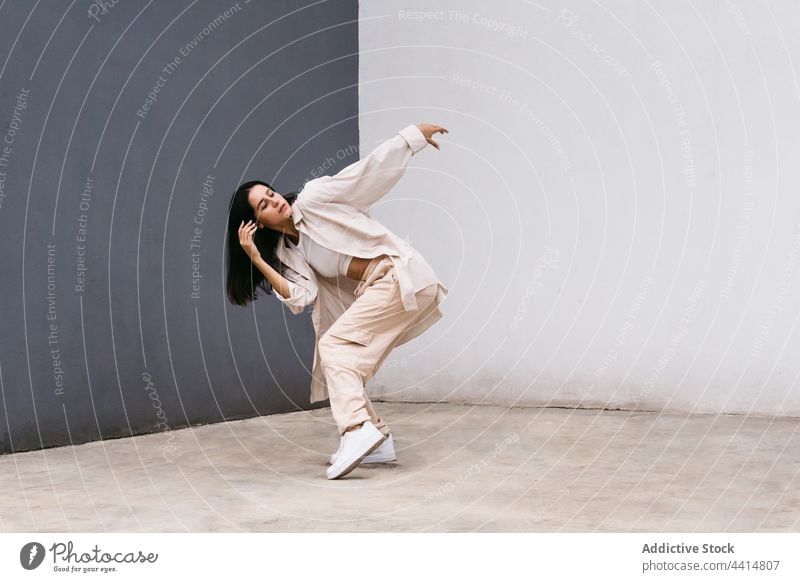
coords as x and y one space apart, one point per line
352 350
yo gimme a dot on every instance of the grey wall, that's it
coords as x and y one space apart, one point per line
112 209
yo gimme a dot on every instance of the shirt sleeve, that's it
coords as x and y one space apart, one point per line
364 182
302 291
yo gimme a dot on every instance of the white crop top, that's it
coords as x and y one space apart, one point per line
323 260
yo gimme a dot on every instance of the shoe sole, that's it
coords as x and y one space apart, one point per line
355 463
379 460
366 461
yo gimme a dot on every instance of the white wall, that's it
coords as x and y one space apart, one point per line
616 208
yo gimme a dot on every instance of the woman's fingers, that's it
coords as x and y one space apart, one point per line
246 232
436 129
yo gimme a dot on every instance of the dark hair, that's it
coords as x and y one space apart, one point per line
244 278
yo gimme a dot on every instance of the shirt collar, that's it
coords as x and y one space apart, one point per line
297 215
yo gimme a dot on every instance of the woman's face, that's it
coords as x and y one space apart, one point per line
269 207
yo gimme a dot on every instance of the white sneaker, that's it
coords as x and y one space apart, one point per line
354 446
383 454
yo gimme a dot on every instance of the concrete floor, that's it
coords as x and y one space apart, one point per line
459 468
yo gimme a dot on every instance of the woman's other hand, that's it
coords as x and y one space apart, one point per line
246 234
428 130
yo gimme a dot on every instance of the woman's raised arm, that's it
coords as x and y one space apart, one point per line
296 292
364 182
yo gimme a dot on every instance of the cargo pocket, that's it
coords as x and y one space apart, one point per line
352 334
380 292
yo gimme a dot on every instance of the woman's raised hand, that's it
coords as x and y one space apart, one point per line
246 234
428 130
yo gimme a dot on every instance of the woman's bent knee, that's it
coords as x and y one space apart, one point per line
426 296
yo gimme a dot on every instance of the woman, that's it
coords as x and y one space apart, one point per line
370 289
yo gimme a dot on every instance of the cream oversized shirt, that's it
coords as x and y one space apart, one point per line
334 211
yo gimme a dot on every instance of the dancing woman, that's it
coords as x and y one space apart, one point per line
371 291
